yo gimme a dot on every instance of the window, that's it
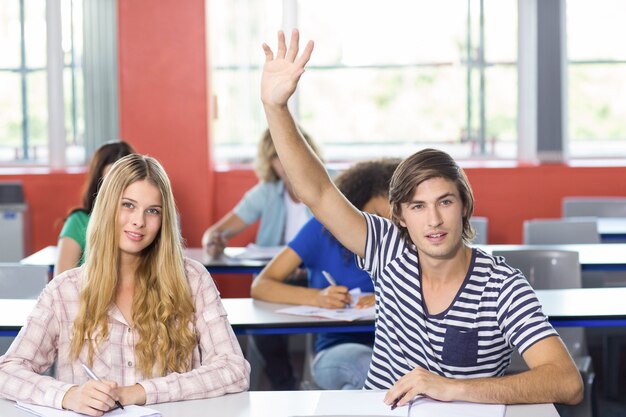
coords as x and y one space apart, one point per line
596 78
24 90
393 75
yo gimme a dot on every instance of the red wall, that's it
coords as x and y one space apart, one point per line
164 112
163 98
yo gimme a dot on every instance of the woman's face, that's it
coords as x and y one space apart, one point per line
140 217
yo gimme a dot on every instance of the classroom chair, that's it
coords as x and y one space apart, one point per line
557 269
594 207
560 231
20 281
481 226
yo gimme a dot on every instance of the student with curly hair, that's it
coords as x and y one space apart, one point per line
342 359
148 321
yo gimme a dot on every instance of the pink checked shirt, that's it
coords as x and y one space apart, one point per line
218 366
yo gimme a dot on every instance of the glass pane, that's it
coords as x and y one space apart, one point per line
72 31
416 105
74 107
394 32
501 111
596 29
239 28
9 34
500 31
37 116
240 118
35 32
10 117
597 110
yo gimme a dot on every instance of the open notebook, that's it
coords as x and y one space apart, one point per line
350 313
370 403
128 411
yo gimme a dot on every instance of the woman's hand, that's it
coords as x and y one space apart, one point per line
215 243
282 72
93 398
366 301
335 296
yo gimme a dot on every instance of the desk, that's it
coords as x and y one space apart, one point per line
612 229
228 264
587 307
271 404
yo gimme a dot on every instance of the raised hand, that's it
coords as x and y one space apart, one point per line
282 72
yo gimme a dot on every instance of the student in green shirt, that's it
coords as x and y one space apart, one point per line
71 244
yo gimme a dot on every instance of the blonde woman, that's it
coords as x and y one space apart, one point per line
272 201
148 321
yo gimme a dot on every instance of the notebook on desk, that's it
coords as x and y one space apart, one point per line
128 411
350 313
370 403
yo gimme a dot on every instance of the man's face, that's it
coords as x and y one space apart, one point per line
434 219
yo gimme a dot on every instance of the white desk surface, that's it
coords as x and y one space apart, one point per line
569 304
48 256
270 404
590 255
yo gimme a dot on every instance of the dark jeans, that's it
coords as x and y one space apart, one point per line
274 348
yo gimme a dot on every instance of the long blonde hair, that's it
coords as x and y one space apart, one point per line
162 308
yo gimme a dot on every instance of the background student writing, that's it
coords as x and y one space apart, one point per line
72 239
281 215
146 320
342 359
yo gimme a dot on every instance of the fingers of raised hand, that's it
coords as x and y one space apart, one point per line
292 53
282 46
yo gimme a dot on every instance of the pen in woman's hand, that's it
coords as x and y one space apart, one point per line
329 278
93 376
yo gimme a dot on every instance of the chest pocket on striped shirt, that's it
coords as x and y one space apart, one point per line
460 347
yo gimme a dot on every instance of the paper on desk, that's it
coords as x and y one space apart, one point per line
128 411
370 403
346 314
253 251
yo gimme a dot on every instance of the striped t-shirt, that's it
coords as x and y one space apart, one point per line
494 312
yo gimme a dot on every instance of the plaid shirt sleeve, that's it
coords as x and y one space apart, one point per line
31 353
222 368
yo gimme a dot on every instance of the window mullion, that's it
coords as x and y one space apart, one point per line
56 107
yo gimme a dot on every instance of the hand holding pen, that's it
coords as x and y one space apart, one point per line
94 377
92 398
217 241
334 296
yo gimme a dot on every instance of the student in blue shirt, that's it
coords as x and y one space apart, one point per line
342 359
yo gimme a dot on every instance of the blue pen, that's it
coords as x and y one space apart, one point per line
95 378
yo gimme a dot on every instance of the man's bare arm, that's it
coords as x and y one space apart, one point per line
305 171
552 378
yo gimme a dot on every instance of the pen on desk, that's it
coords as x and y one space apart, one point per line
95 378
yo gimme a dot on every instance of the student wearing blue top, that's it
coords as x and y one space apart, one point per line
342 359
281 214
448 315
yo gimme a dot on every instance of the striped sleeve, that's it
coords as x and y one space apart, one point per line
520 316
377 227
